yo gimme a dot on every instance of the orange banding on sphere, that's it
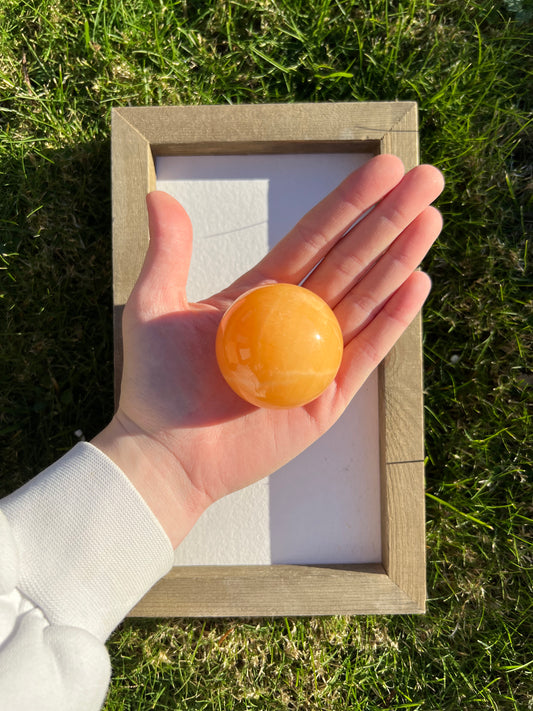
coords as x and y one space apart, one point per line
279 346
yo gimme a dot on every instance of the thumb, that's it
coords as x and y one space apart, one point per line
161 286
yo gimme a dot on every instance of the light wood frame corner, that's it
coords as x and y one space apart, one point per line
398 583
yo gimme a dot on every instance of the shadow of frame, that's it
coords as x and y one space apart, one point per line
57 342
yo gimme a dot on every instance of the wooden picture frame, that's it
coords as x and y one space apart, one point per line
398 583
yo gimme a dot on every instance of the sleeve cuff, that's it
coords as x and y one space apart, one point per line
89 546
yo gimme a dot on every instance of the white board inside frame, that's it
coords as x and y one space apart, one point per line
323 507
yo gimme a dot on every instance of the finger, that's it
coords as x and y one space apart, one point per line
161 286
368 348
366 298
351 258
315 234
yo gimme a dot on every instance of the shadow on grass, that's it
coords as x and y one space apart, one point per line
57 341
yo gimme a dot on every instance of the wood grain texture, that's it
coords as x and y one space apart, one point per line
402 465
398 584
270 128
402 137
402 426
281 590
132 177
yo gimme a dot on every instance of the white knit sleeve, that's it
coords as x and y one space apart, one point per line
78 548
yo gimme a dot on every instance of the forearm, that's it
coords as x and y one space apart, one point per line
89 546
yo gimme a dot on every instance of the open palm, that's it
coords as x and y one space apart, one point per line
209 440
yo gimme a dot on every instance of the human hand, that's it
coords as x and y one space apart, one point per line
180 433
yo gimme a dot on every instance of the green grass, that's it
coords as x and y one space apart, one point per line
63 65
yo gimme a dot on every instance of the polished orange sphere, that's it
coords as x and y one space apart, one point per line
279 345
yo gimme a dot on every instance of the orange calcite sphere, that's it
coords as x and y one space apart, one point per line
279 346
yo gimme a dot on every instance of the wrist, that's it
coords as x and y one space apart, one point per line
156 474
